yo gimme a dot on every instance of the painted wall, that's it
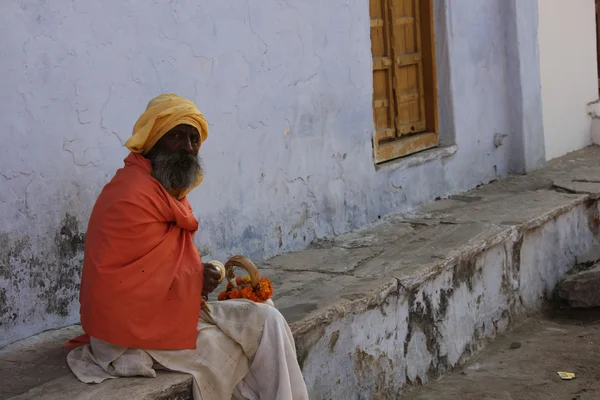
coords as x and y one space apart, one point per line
567 43
286 87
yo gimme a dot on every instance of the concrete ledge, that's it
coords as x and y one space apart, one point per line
400 302
36 368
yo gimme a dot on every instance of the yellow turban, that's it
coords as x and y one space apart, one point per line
162 114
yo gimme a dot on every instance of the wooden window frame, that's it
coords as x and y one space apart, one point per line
401 139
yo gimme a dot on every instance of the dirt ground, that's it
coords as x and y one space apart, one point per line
523 364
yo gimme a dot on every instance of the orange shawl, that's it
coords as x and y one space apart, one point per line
142 274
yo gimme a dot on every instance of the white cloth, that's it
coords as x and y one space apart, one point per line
245 350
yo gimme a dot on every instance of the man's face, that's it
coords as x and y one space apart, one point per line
175 161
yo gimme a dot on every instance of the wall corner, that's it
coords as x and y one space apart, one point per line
528 151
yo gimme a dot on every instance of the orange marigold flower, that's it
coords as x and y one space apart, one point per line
264 289
241 281
260 293
246 292
223 296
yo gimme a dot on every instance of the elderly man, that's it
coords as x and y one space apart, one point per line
143 280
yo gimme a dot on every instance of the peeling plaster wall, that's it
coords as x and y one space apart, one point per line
286 87
410 335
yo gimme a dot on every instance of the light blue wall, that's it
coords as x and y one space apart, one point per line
287 89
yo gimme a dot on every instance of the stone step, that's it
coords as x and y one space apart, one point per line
36 368
580 289
397 303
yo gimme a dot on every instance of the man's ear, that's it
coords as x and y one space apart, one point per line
154 150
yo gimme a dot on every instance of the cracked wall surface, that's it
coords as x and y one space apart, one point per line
287 90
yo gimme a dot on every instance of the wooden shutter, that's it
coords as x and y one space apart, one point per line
399 95
408 67
383 101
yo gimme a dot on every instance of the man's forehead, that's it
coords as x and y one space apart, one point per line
184 128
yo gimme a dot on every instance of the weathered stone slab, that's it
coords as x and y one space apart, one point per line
578 165
34 361
332 260
302 295
430 249
36 368
583 183
379 235
582 290
166 386
515 209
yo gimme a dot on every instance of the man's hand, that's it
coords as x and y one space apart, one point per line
211 279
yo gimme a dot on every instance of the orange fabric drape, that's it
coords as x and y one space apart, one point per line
142 275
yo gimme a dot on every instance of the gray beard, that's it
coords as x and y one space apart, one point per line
175 170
